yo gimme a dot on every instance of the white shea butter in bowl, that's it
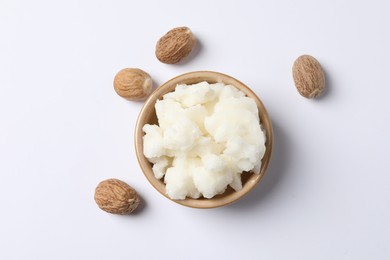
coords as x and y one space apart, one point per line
203 139
207 135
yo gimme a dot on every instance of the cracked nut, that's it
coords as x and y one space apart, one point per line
117 197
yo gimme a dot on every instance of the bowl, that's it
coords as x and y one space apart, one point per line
148 116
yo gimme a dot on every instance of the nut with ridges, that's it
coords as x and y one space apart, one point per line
133 84
175 45
117 197
308 76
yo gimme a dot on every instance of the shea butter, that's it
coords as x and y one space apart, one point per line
207 136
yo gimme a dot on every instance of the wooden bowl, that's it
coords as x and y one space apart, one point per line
148 116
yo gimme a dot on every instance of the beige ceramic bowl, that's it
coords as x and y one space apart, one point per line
148 116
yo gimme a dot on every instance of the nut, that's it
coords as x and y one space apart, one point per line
175 45
117 197
308 76
133 84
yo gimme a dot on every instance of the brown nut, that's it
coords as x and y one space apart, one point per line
308 76
175 45
117 197
133 84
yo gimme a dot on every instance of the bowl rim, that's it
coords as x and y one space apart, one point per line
195 77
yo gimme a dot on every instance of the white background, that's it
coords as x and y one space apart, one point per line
63 129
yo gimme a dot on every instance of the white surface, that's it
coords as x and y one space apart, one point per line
63 129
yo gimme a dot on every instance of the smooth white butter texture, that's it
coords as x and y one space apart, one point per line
207 135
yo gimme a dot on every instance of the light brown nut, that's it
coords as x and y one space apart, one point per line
175 45
133 84
117 197
308 76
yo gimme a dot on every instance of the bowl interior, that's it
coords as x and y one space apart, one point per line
148 116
